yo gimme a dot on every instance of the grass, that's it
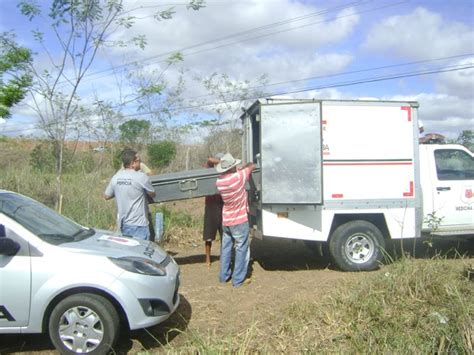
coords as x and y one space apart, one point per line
411 307
415 306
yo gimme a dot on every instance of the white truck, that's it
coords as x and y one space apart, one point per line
352 175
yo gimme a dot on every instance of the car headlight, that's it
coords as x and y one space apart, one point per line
139 266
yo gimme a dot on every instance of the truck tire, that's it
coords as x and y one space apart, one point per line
84 323
357 246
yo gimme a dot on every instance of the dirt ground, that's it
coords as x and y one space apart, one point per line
282 272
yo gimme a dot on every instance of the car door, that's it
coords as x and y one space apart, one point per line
15 279
453 198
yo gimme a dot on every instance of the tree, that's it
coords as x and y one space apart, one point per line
135 131
232 95
15 76
161 154
466 138
81 28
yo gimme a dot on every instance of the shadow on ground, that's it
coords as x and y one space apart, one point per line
429 247
150 338
286 254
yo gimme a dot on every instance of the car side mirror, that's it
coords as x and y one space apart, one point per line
8 247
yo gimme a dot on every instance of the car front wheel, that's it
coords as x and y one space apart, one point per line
84 323
357 246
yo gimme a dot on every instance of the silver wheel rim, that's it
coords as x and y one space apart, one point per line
81 329
359 249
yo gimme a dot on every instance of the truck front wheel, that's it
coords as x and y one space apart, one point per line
357 246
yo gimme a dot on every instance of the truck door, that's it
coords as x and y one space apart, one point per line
15 280
453 199
291 153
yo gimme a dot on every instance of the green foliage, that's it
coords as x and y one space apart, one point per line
42 158
86 162
415 306
466 138
196 4
117 159
3 139
161 154
134 130
165 14
174 58
14 61
176 218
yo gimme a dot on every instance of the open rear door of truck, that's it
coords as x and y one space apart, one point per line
291 153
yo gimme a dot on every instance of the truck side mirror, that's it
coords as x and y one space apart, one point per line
8 247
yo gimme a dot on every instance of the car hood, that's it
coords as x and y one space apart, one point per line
108 244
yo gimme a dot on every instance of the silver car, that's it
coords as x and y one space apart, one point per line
77 283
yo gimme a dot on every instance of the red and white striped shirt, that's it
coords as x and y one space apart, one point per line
232 189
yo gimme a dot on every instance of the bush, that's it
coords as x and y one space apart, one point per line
42 158
161 154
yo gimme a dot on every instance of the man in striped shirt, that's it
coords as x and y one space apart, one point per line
231 186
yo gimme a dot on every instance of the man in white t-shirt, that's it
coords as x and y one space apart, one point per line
131 189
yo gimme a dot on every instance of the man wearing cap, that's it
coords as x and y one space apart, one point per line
231 186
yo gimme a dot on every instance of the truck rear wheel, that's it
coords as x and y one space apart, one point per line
357 246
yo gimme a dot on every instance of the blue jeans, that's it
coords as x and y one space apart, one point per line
137 232
239 236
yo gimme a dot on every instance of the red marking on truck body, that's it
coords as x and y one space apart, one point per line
408 109
409 193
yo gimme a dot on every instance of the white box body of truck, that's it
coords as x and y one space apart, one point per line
349 174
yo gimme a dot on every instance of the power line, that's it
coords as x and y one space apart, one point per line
424 61
340 84
234 35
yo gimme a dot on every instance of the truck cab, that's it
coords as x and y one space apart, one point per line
447 181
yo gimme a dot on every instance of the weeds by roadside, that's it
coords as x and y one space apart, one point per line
412 306
415 306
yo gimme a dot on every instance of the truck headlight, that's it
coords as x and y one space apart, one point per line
139 266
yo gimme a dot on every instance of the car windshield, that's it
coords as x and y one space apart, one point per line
41 220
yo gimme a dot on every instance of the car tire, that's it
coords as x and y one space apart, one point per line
357 246
85 323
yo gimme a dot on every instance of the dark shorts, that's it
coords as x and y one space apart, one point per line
212 221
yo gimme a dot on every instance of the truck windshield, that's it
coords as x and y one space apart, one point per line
41 220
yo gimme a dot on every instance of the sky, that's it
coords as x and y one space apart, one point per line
305 49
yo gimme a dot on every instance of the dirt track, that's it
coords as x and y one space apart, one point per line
283 271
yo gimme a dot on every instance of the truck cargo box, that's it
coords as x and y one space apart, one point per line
185 184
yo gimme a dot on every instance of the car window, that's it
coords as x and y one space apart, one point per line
454 164
39 219
8 233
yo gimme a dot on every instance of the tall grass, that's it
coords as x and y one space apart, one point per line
83 200
415 306
412 307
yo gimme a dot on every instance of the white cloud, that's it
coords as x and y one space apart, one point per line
287 54
445 114
419 35
460 83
